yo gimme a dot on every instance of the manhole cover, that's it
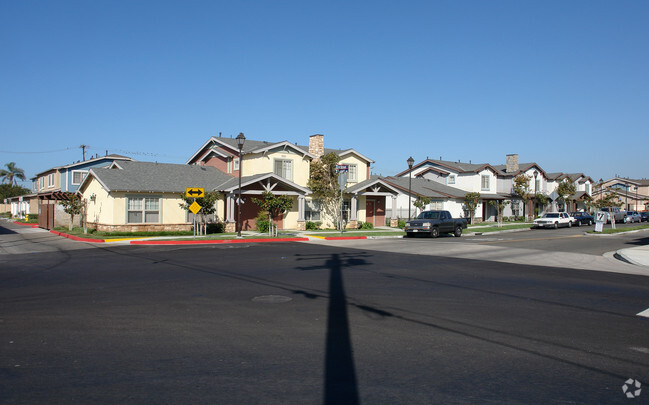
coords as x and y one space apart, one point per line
272 299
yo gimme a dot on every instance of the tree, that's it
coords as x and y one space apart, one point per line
274 206
207 203
471 201
73 205
522 187
610 199
566 188
323 182
541 200
421 202
500 206
12 173
9 190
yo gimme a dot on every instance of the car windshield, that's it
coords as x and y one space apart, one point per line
576 214
554 215
429 215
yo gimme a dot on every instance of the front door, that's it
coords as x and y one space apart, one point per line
369 211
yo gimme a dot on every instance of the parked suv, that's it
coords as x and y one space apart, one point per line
632 216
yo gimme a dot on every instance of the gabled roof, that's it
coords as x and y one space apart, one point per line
424 187
522 168
233 183
150 177
111 157
458 167
372 182
249 146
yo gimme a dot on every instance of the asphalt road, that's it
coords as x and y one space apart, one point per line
307 323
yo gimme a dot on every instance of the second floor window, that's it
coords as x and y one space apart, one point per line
284 168
352 175
78 176
485 182
451 179
50 180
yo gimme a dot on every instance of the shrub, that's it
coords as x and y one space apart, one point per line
402 224
366 225
313 226
215 227
262 222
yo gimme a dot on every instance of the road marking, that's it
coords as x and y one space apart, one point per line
644 313
525 240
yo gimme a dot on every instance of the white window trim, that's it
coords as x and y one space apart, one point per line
84 172
451 179
143 197
482 178
284 160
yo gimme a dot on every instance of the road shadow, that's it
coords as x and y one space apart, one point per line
340 385
639 241
6 231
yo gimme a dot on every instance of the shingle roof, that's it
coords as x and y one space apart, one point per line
425 187
159 177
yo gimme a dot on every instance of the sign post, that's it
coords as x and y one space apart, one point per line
600 219
195 208
343 173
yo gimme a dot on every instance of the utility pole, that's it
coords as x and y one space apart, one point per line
84 147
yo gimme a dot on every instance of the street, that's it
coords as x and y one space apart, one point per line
386 321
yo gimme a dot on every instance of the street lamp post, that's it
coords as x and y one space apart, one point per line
410 161
240 140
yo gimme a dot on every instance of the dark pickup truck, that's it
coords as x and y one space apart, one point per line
435 222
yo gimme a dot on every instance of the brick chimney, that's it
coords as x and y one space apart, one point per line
512 163
316 145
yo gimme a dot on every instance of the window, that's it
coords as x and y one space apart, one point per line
50 180
312 210
537 186
78 176
437 205
352 175
236 164
143 209
451 179
284 168
485 182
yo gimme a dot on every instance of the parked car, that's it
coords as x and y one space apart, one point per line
435 222
632 216
553 220
644 216
582 218
615 211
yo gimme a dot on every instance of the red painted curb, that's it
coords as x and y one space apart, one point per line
77 238
24 224
204 242
344 237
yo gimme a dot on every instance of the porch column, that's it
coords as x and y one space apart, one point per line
394 221
300 208
301 221
354 216
230 224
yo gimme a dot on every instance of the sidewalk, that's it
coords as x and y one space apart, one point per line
636 255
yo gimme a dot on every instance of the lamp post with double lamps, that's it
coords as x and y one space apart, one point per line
410 161
240 140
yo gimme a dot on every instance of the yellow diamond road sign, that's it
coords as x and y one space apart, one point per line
195 192
195 207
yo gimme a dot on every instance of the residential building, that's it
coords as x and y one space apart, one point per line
633 194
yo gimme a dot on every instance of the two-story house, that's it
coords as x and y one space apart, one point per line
54 184
494 183
632 193
118 196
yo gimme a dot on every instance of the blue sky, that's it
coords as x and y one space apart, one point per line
561 83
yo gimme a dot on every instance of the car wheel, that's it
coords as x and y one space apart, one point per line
434 232
556 225
458 231
578 222
590 222
569 224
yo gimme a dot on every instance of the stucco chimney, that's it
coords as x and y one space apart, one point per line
316 145
512 163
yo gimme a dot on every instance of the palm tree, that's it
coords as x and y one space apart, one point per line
12 173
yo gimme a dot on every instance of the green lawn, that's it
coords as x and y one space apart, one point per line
620 230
